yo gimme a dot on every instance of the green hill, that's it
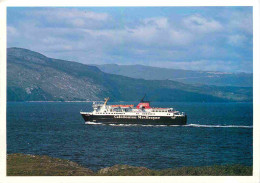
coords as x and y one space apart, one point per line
32 76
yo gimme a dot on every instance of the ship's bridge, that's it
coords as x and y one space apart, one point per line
162 110
97 104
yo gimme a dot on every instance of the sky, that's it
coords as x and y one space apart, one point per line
190 38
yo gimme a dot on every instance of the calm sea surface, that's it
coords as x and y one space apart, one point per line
217 133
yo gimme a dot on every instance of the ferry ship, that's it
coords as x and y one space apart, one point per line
143 114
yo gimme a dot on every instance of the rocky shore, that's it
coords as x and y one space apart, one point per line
35 165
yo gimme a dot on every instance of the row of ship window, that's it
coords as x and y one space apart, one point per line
109 113
122 113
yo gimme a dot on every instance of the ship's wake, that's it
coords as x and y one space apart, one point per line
188 125
219 126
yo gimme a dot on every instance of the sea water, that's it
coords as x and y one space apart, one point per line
215 134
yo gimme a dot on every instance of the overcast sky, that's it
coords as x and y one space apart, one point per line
193 38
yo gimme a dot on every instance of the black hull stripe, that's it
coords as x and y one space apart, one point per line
154 120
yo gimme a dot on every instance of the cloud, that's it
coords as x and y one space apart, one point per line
157 31
200 24
158 22
64 17
152 32
87 36
241 22
236 40
12 31
64 13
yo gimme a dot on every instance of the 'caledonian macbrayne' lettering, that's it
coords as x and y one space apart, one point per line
143 114
136 117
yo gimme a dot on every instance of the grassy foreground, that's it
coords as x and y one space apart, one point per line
34 165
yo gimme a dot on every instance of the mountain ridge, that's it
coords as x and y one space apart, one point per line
32 76
217 78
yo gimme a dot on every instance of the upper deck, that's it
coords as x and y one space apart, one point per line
143 108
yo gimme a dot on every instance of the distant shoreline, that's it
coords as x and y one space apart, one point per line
51 101
71 101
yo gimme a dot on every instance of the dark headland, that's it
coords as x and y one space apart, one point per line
35 165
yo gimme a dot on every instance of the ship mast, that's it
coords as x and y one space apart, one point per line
106 100
142 100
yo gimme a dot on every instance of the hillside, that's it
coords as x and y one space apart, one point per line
32 76
35 165
185 76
